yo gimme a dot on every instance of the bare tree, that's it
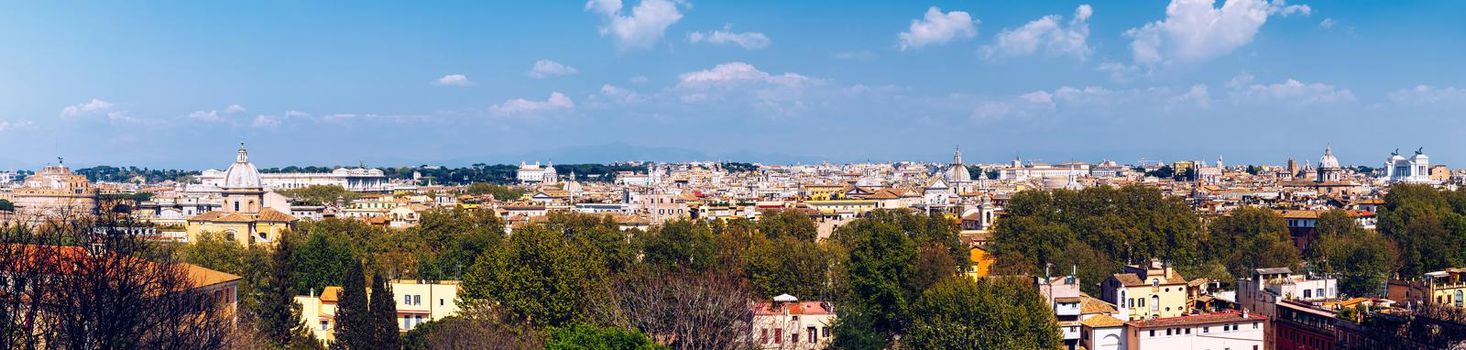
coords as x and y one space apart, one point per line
89 282
686 310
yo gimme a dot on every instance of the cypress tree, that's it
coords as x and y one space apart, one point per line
354 328
279 315
384 314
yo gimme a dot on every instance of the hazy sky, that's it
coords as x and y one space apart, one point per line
180 83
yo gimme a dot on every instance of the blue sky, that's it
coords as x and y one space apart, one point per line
179 84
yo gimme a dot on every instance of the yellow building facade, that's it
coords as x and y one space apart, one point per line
1147 291
243 217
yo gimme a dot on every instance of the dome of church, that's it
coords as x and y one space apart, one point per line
242 174
957 173
1328 161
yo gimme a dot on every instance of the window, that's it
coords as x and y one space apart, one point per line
406 300
441 301
325 324
1168 331
764 338
1152 332
1188 330
1206 329
778 335
825 331
417 299
813 333
1254 325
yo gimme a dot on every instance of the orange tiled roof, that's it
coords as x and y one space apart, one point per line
1196 320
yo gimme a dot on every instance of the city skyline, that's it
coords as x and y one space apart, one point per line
178 85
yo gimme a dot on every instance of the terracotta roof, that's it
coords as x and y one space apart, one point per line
1299 214
1102 321
204 277
1133 280
1090 305
272 215
1197 320
331 294
266 215
795 308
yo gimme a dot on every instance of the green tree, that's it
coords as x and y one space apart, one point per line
602 232
354 326
1097 229
587 337
789 265
322 260
1429 232
384 314
453 239
6 205
1003 313
778 223
503 193
279 315
537 276
878 272
682 243
1251 238
1361 259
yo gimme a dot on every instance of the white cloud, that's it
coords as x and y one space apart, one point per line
1046 33
646 24
296 114
1090 102
1198 94
6 125
547 68
215 115
1299 93
453 80
1194 30
937 28
860 55
725 36
1327 23
620 95
266 121
206 116
556 103
738 72
640 79
1429 95
95 105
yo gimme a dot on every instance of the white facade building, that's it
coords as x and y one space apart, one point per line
535 173
1415 169
352 179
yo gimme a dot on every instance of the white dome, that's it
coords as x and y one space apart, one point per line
957 173
242 174
1328 161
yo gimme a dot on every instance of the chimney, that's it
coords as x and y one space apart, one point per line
313 292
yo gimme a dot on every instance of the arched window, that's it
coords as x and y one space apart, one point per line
236 205
1459 298
1155 303
1122 299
